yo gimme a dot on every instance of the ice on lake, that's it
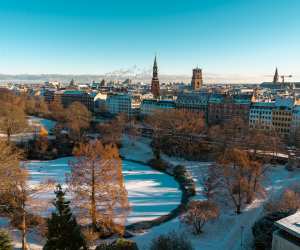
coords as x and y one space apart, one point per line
150 192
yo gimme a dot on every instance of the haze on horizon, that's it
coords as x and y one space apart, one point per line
242 38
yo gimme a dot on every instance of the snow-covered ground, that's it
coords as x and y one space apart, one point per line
46 123
35 123
136 150
229 231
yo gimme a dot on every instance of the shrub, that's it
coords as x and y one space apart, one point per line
158 164
263 229
120 244
5 241
199 213
179 171
171 241
288 201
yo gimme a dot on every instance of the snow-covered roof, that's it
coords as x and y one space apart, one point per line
290 224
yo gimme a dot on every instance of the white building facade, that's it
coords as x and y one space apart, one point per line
260 115
122 103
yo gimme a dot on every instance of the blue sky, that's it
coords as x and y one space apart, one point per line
243 37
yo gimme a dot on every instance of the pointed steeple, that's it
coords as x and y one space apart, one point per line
276 77
155 81
155 68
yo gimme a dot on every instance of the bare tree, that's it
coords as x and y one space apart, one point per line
289 200
174 131
210 182
12 118
41 107
199 213
234 165
28 200
78 119
9 165
111 132
98 186
57 111
132 130
229 135
17 196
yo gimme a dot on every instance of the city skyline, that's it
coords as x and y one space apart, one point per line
245 40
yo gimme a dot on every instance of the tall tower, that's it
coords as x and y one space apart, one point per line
275 79
155 81
197 80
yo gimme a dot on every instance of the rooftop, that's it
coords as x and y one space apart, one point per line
290 224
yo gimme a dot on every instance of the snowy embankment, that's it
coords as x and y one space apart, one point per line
136 150
229 231
35 124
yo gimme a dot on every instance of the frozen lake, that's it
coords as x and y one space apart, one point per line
150 192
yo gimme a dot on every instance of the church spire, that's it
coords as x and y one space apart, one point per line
276 77
155 82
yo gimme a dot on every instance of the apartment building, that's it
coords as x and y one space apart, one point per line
149 106
282 115
123 103
295 126
260 115
224 107
193 101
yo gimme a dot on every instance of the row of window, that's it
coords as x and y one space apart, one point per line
287 119
256 117
253 111
276 124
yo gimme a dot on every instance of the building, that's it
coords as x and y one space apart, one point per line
100 102
260 115
197 81
155 89
127 104
225 107
193 101
282 115
287 237
295 126
67 97
49 95
149 106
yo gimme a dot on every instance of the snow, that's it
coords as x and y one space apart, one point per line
229 231
46 123
35 123
136 150
150 193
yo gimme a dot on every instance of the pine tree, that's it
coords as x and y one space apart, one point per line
63 231
5 241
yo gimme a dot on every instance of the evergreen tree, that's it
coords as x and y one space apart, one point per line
5 241
63 231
